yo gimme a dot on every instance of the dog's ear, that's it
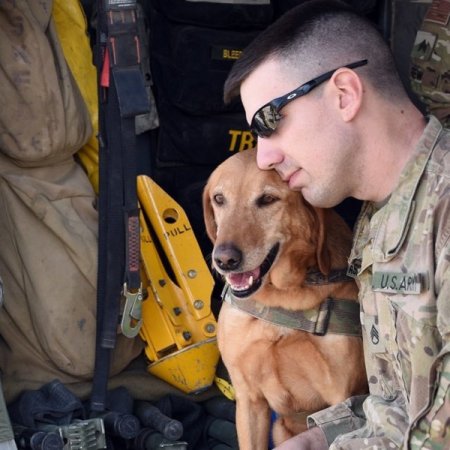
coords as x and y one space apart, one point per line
323 254
208 215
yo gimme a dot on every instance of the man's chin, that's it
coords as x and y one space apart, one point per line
317 199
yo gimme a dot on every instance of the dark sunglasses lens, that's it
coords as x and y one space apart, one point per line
265 121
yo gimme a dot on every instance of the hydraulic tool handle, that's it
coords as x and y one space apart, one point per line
149 439
220 446
125 426
29 439
221 408
150 416
223 431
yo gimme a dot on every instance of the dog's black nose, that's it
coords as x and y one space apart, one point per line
227 257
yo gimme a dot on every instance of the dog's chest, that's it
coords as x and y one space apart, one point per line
237 328
248 343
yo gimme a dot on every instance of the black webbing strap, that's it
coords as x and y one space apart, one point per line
122 96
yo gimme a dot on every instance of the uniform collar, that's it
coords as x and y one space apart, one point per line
389 224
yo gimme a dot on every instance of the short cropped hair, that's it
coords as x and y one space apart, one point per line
315 37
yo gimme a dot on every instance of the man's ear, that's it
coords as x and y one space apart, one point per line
349 89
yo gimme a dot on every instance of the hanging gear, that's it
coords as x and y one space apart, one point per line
122 97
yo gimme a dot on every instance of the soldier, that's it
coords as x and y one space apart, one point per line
355 133
430 61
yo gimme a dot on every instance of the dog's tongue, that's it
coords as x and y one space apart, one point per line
244 279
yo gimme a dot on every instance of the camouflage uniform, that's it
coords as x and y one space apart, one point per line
430 61
401 257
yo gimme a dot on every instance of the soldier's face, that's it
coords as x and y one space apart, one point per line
307 148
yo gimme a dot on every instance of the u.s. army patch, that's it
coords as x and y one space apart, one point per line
398 282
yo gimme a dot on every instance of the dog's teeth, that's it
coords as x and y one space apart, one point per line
250 280
240 288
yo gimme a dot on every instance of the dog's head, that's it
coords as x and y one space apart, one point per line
262 231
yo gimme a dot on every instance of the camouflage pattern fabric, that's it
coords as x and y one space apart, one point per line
401 258
335 316
430 61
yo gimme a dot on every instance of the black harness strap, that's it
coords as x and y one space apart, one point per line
122 96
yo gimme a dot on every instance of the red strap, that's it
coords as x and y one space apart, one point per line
104 79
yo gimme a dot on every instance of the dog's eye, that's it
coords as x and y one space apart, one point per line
219 199
266 199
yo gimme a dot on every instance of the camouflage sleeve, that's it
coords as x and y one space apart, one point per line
340 419
432 428
362 423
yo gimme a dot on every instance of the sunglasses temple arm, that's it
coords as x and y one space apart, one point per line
313 83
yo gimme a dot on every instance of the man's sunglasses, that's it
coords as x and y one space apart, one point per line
265 120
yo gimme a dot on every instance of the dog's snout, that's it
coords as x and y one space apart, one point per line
227 257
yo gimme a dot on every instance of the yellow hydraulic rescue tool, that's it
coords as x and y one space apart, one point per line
178 326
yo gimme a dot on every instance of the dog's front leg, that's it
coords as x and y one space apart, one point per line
252 423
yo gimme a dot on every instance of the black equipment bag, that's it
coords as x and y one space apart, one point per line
190 64
204 140
226 14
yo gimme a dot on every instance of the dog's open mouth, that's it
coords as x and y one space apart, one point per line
243 284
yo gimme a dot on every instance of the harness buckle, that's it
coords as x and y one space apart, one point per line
123 40
131 321
323 317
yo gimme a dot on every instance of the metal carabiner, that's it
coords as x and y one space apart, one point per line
132 312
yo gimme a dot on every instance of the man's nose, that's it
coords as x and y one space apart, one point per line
267 156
